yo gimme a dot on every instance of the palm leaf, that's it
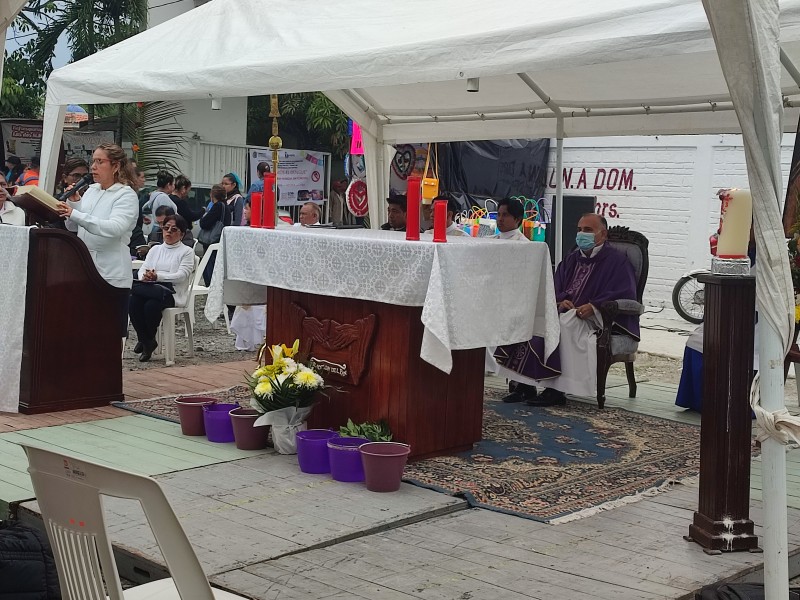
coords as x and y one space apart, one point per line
154 130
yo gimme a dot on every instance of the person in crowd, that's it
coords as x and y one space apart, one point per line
31 175
509 219
165 185
591 274
452 210
233 198
10 213
247 211
14 169
137 235
157 233
309 214
218 212
258 185
104 218
74 169
339 214
180 197
396 213
164 280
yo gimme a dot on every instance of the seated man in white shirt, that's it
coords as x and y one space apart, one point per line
309 214
509 219
452 210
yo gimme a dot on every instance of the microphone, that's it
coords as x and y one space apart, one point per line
87 179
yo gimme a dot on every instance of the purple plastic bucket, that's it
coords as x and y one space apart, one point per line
345 458
312 450
218 424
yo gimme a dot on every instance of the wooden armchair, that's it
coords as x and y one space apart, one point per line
612 346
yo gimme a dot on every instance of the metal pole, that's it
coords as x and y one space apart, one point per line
773 466
559 187
275 144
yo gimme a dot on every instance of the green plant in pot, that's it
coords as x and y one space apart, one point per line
374 432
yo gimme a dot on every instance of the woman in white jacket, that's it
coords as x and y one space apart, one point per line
104 218
165 277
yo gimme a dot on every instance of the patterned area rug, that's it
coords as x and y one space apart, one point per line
561 463
166 409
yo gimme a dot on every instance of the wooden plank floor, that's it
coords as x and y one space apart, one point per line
264 529
155 450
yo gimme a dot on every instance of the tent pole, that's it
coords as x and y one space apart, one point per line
790 68
773 466
52 129
559 234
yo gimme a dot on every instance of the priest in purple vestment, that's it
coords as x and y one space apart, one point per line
590 275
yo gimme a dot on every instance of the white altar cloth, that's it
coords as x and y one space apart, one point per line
14 241
474 292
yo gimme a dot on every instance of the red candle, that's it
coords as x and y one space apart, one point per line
255 209
412 209
440 221
268 205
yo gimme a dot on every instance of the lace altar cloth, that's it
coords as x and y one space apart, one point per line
13 284
475 292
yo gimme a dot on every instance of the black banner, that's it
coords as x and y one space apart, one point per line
474 171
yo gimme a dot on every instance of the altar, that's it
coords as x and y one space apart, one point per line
400 327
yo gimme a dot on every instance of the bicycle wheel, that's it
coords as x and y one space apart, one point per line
688 298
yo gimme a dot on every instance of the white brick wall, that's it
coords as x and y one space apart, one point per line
670 198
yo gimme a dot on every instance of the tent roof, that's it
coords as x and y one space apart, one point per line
405 65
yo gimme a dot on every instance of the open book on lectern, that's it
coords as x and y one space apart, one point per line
37 202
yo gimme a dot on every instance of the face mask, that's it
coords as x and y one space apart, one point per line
584 240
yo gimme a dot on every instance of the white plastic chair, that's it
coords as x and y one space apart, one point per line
69 492
166 329
200 289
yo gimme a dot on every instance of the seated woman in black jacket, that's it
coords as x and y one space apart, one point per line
210 230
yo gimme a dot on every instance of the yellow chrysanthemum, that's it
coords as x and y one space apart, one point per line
260 372
306 379
264 388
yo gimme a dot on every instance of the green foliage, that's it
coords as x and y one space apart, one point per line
89 26
23 88
308 120
157 137
374 432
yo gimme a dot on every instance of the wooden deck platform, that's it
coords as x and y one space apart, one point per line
262 528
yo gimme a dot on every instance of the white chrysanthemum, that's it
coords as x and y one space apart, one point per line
320 382
290 366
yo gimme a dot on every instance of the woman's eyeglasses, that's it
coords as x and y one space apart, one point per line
100 161
170 229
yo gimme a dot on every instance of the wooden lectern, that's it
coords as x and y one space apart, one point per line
72 353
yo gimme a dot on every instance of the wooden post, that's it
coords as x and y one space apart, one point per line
722 523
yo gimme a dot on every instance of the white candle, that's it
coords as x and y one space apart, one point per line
736 217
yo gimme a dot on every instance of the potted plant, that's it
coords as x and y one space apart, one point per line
284 392
374 432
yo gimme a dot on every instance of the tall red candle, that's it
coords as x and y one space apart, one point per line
440 221
268 205
412 209
255 209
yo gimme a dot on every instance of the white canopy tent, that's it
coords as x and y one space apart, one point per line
571 68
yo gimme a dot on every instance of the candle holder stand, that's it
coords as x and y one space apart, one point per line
722 522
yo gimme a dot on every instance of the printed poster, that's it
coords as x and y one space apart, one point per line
301 174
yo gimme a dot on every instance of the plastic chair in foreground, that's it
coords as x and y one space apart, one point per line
69 493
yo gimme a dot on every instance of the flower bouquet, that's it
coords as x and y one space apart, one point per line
284 392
